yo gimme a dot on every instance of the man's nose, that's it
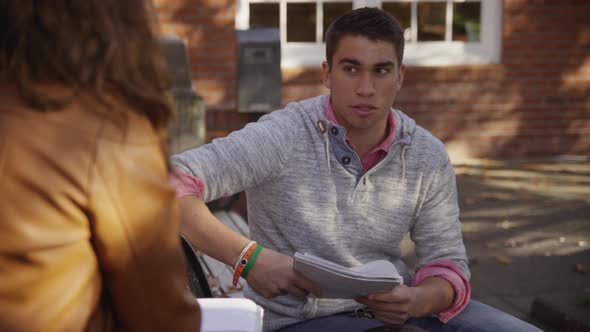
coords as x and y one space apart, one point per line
365 85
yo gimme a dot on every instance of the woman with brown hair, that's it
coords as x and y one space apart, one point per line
88 227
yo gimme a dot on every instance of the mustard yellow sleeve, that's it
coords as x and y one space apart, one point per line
135 231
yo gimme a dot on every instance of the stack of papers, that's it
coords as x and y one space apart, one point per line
339 282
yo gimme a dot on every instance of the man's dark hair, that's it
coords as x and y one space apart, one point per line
372 23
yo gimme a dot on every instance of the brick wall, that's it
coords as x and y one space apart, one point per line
207 27
536 102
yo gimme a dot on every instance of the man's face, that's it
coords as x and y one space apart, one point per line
364 80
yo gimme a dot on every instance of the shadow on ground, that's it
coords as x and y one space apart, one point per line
526 227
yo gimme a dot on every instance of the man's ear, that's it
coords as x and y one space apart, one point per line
400 77
326 74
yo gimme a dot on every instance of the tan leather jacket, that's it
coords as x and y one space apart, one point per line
88 228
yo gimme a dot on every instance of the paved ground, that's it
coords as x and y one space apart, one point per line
526 226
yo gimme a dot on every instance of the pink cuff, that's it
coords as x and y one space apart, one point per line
186 184
448 270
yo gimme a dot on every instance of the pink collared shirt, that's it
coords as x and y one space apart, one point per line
377 153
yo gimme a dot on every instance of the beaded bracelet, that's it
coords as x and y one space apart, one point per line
243 261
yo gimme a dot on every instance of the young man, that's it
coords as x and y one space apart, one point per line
344 177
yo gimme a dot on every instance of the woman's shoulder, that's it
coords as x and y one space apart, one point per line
84 116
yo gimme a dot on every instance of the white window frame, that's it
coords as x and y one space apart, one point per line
427 53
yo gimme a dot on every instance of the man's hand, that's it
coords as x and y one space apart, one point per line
394 307
432 296
273 275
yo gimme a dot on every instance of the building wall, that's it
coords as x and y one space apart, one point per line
536 102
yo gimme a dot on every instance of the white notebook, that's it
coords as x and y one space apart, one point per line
339 282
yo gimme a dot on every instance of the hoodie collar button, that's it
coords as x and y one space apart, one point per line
334 131
322 126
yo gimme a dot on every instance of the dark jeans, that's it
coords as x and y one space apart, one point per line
476 317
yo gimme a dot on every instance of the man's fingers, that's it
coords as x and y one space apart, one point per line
297 292
391 297
388 308
302 282
383 306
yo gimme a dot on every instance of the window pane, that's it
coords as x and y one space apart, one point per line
431 21
466 21
301 22
402 11
264 15
332 10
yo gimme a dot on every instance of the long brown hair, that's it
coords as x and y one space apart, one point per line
87 46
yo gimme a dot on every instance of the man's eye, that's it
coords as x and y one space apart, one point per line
383 71
350 69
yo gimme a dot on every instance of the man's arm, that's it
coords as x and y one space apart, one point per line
246 158
433 295
208 234
440 286
272 273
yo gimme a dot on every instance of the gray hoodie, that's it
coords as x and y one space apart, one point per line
307 191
